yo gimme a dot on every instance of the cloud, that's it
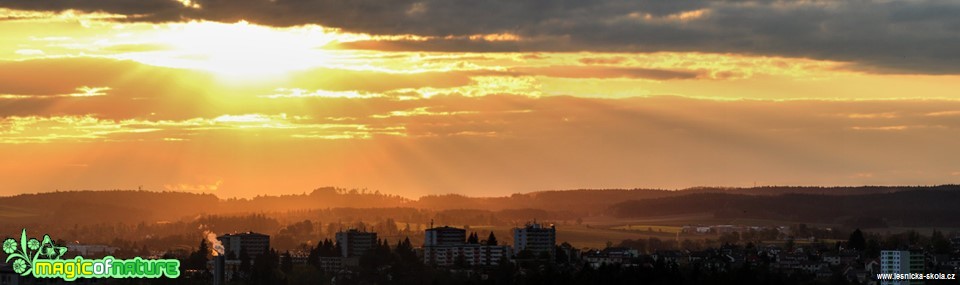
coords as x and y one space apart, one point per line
60 75
878 36
602 60
422 111
881 128
735 122
93 129
82 91
124 89
112 88
605 72
302 93
29 52
887 115
378 81
944 114
475 144
125 48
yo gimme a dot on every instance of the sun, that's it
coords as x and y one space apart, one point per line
237 50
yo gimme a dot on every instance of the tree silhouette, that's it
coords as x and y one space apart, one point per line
264 268
940 244
198 259
491 239
857 241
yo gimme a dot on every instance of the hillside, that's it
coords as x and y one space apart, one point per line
918 205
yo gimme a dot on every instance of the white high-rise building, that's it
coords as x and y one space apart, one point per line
900 262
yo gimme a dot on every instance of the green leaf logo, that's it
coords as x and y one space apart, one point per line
9 246
29 251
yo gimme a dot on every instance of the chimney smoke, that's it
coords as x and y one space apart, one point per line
217 246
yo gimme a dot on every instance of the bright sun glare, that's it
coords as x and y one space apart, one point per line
236 51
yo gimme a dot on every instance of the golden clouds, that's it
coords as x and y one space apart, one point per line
421 111
246 105
190 4
82 91
243 52
66 15
400 144
90 128
682 16
345 118
302 93
246 60
886 115
37 129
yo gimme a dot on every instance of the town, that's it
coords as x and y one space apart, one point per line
453 255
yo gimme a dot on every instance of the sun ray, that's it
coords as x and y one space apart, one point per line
238 51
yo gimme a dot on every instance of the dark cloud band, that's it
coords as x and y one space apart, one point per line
921 36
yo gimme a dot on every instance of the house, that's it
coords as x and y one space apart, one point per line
613 255
791 260
812 266
667 256
716 263
824 272
831 258
849 256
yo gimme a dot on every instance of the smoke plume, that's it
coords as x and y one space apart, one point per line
214 242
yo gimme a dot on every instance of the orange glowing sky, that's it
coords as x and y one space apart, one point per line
203 96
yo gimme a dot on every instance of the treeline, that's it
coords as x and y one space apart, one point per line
814 190
85 207
593 201
915 208
320 198
90 207
579 201
869 206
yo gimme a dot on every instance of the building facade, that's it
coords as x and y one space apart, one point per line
354 243
536 238
443 246
615 255
472 254
444 236
900 262
253 243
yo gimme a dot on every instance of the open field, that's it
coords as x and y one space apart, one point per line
672 220
649 228
582 236
920 230
677 221
11 212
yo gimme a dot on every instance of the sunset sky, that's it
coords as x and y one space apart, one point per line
477 97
